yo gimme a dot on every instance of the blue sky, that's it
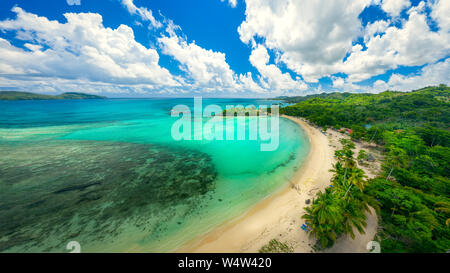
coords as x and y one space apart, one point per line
228 48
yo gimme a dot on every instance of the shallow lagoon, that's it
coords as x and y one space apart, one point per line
108 174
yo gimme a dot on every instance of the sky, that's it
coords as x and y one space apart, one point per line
223 48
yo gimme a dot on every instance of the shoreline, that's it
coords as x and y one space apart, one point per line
279 215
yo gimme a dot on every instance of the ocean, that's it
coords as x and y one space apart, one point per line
108 174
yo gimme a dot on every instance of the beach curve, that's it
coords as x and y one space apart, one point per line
279 215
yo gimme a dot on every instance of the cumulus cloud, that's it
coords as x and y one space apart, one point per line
394 7
440 13
377 27
338 82
208 69
430 75
316 38
412 45
144 13
82 53
80 49
312 35
271 76
433 74
60 85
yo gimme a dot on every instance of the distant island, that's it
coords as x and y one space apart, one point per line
341 96
15 95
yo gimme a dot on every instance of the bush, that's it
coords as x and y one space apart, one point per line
275 246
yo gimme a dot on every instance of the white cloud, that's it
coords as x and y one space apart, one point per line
338 82
433 74
419 8
430 75
440 13
83 54
412 45
344 85
60 85
394 7
144 13
247 83
313 36
271 76
208 69
81 49
74 2
232 3
377 27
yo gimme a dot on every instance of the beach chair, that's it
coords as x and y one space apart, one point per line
306 227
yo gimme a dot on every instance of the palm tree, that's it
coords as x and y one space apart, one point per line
342 208
358 178
346 178
324 217
354 214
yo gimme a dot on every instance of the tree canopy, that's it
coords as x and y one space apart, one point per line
414 187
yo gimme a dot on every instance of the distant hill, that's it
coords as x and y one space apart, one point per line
415 108
15 95
441 90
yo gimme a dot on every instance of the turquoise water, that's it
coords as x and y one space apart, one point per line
108 174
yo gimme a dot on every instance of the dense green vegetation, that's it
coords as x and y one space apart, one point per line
413 189
388 110
14 95
342 207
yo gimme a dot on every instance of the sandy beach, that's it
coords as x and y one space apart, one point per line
279 216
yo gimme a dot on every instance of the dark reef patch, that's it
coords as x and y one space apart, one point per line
292 157
52 192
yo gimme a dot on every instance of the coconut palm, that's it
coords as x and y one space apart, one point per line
324 217
357 178
343 208
354 214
